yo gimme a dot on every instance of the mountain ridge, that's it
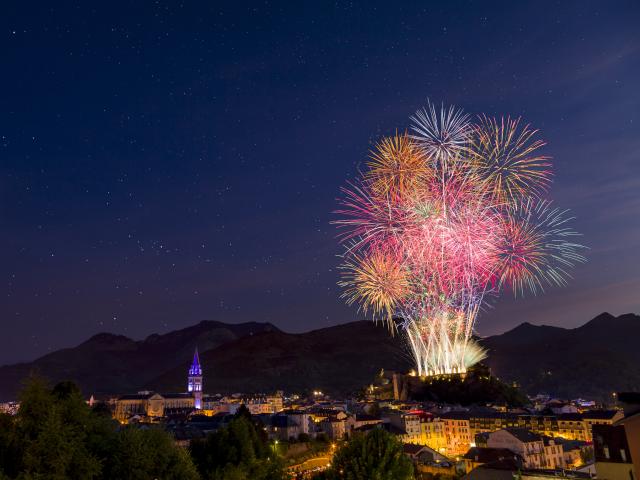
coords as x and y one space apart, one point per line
594 359
296 362
111 363
257 356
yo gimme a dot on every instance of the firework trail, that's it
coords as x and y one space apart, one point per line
444 217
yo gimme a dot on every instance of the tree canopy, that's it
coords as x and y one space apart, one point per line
239 451
375 456
56 435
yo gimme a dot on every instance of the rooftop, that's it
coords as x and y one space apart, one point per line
570 417
458 415
411 449
600 414
524 435
489 455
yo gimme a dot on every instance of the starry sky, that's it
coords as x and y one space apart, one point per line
164 163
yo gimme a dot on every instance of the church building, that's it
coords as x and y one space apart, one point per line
155 405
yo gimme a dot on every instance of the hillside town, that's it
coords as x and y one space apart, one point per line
550 438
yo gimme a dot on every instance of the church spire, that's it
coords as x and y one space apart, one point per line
194 381
195 368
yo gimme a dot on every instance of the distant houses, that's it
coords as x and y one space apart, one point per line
481 442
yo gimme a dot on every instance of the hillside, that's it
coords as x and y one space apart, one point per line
336 360
594 360
108 363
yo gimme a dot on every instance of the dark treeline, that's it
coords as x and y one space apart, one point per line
237 452
57 436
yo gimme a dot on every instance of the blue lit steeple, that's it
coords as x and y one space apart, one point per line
195 368
194 382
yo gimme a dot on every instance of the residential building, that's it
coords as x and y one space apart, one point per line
300 417
542 424
432 433
572 427
283 427
317 414
423 454
529 445
503 469
612 454
410 423
477 456
258 404
574 452
600 417
457 433
491 421
553 453
335 426
10 408
631 423
276 401
361 419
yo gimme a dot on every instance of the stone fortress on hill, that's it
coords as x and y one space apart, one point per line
148 406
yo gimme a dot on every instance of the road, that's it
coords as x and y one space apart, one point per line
309 466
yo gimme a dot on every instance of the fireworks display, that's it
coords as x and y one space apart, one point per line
445 215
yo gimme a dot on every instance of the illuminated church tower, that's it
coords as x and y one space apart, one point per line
194 383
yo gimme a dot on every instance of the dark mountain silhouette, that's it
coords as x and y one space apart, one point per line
108 363
337 360
593 361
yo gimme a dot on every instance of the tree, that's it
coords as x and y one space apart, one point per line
55 435
375 456
50 434
478 386
238 451
148 454
9 451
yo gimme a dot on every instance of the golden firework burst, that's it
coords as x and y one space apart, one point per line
506 156
397 166
377 282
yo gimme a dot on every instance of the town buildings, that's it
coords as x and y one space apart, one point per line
147 406
486 442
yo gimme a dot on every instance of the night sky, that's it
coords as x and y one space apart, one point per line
161 164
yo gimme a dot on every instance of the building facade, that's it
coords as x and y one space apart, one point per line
149 406
458 436
526 444
612 454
